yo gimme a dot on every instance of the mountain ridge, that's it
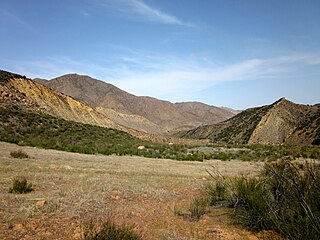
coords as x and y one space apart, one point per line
168 116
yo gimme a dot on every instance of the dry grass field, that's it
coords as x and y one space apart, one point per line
71 188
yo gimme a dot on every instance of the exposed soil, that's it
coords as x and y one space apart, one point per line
71 188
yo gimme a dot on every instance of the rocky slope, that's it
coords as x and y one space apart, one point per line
280 122
162 114
18 91
131 121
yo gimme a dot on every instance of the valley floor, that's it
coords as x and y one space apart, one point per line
72 188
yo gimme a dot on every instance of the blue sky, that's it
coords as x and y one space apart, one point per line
240 53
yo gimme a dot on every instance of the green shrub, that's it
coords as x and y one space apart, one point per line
284 199
250 200
109 230
21 186
295 190
19 154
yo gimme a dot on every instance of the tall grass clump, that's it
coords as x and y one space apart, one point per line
250 200
216 191
197 208
284 199
109 230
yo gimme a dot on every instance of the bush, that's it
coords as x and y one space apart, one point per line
250 200
284 199
19 154
109 230
21 186
295 194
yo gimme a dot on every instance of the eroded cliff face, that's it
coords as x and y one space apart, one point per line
32 95
278 123
290 123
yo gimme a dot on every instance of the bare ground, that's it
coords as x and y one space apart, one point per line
78 187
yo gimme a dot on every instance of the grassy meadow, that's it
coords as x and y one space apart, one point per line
70 189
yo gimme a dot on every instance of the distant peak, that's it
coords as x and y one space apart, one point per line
282 101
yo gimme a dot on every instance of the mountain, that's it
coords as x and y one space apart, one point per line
278 123
27 96
156 114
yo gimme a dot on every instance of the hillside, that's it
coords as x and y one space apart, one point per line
280 122
167 116
19 91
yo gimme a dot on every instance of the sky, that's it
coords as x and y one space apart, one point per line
233 53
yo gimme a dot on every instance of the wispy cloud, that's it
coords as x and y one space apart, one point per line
7 16
168 77
181 78
140 9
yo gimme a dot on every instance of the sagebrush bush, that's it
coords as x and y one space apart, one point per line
21 186
109 230
19 154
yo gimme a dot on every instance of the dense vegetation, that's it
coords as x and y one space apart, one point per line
284 199
46 131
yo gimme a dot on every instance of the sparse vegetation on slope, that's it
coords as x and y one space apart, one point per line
6 76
